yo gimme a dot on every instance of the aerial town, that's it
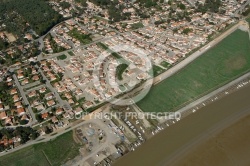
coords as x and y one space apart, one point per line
91 57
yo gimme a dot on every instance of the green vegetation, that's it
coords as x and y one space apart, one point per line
62 57
209 6
137 25
55 47
25 133
114 9
117 56
64 5
71 53
246 12
82 2
101 45
58 151
27 156
83 38
37 13
3 44
182 6
114 54
187 30
147 3
5 95
165 64
218 66
248 20
157 70
120 70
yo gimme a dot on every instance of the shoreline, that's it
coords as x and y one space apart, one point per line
215 117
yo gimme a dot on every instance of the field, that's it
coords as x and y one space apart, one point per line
57 151
218 66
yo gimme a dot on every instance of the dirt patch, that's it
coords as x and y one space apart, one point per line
10 37
76 139
236 63
197 84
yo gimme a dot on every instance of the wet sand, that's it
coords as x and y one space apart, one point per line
229 148
210 136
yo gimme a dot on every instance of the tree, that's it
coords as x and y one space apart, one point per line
48 130
182 6
38 14
23 122
186 30
64 5
39 118
82 2
175 30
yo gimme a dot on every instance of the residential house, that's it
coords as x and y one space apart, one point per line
1 107
13 91
3 115
15 98
20 111
45 115
50 103
59 111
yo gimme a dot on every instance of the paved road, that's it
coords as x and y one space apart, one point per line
242 7
33 116
52 89
191 2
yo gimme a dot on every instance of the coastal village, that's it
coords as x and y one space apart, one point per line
67 78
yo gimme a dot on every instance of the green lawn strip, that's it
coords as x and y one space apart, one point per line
101 45
71 53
